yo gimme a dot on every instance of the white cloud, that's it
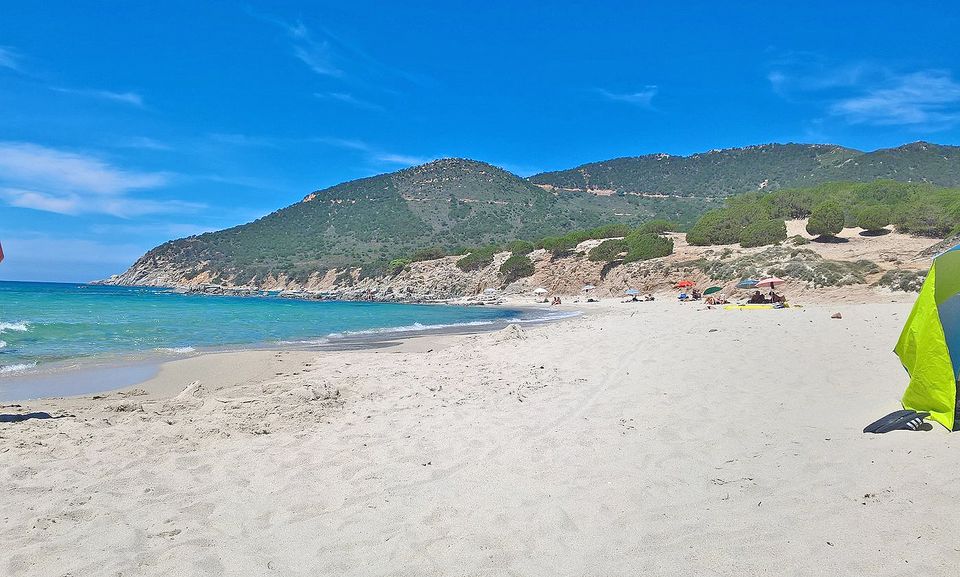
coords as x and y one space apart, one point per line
405 159
869 94
374 154
35 165
52 180
131 98
9 58
643 98
928 99
348 99
318 55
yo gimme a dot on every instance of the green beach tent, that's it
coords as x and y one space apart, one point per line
929 346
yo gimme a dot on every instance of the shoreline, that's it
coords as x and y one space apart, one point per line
113 372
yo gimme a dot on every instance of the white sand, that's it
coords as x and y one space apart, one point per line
630 441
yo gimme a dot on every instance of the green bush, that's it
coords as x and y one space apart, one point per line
559 245
644 246
397 265
659 226
902 280
608 250
763 232
826 219
923 219
608 231
477 258
714 227
516 267
873 218
520 247
431 253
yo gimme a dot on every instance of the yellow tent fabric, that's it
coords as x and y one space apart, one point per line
924 351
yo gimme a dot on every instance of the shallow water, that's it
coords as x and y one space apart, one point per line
43 323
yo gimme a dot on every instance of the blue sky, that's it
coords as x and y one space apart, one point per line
125 124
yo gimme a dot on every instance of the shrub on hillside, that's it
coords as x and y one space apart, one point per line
559 245
397 265
609 231
644 246
903 280
520 247
763 232
714 227
826 219
659 226
608 250
923 219
431 253
477 258
516 267
873 218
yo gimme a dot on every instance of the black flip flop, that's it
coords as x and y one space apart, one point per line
897 420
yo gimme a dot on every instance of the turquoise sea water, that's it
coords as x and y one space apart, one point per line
42 323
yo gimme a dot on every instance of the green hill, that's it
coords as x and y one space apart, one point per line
449 203
721 173
456 203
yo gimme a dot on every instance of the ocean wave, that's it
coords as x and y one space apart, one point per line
307 342
415 327
5 369
177 350
3 344
20 327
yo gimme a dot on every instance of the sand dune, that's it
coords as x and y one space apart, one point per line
652 438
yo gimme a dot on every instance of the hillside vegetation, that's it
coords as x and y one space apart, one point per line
381 224
721 173
913 208
448 204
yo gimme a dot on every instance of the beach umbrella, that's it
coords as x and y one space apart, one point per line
631 292
929 346
713 289
540 291
770 282
747 283
685 283
588 287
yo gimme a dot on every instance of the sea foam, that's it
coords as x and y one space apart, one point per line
177 350
19 327
5 369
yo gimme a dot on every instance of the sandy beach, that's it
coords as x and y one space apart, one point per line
655 438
